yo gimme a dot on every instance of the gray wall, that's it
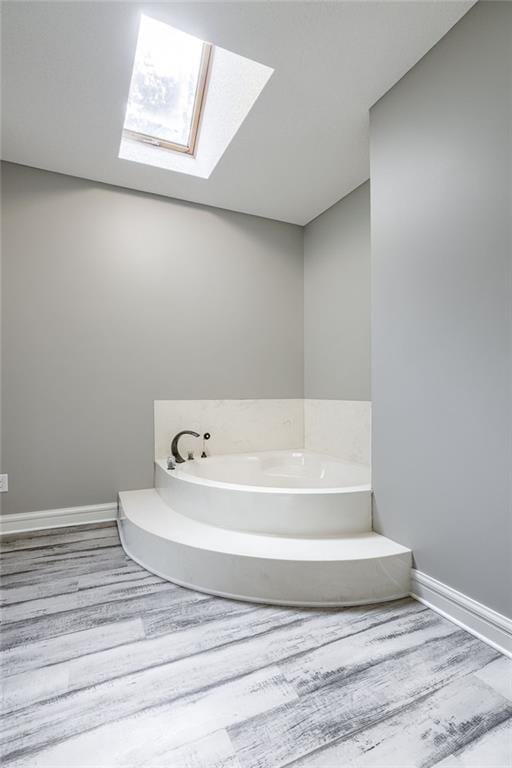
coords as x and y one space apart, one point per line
441 308
337 300
113 299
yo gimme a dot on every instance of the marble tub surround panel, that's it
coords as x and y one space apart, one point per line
236 426
340 428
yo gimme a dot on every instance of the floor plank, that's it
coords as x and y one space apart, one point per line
46 653
427 731
41 540
138 584
214 750
492 750
144 716
25 592
350 655
29 688
337 710
93 561
498 675
41 628
19 562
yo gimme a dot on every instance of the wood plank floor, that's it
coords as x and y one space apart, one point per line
106 665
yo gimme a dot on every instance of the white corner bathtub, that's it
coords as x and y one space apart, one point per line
281 527
281 493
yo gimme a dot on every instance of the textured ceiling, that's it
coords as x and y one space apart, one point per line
66 71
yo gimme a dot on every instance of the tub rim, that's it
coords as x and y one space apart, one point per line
177 474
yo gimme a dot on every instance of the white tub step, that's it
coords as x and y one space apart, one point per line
349 570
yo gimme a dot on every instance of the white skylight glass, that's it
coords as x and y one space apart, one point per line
167 86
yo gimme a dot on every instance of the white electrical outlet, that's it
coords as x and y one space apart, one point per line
4 483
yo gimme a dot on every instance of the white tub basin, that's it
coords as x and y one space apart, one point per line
286 493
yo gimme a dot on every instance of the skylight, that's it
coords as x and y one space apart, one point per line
178 85
168 86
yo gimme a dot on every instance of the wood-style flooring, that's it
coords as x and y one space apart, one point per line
106 665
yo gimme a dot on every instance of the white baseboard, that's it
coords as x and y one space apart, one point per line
57 518
482 622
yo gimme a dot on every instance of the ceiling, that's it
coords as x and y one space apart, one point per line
66 69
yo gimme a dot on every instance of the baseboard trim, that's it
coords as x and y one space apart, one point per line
482 622
57 518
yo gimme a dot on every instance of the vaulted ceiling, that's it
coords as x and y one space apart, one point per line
66 69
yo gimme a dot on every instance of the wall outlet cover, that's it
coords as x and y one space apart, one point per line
4 483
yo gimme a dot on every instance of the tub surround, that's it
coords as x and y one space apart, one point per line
338 428
236 426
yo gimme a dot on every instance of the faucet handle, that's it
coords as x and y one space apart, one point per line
171 464
190 456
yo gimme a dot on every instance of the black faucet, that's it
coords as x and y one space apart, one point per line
174 445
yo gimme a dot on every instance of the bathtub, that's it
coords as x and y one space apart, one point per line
280 493
279 527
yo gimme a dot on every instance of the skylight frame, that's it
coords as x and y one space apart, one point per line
199 102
